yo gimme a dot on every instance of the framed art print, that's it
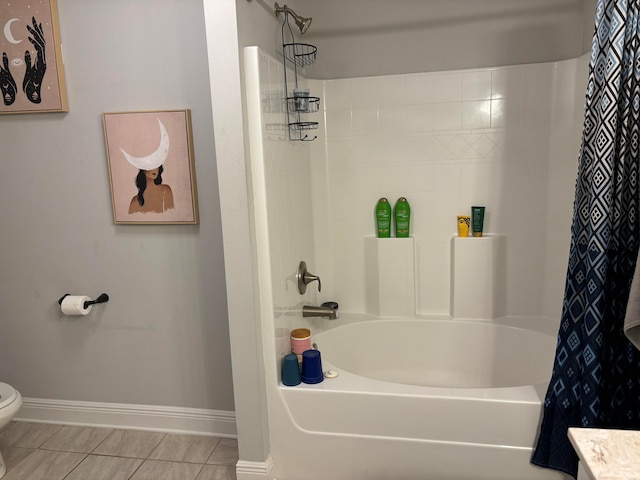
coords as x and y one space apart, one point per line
31 72
151 167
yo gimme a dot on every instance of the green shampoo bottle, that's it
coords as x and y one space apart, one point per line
383 218
402 217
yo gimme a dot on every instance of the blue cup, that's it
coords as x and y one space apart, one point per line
291 370
311 367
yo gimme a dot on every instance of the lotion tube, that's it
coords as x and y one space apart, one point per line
477 220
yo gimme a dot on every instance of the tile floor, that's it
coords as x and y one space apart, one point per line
38 451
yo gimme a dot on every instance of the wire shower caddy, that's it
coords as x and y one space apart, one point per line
300 55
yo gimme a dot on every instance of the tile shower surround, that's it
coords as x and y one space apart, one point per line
446 141
505 137
37 451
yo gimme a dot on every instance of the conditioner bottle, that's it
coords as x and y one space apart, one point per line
402 217
383 218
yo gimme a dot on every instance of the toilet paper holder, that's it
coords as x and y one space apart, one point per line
102 298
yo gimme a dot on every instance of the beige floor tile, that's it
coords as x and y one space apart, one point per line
217 472
26 435
14 455
98 467
129 443
76 439
225 453
45 465
185 448
161 470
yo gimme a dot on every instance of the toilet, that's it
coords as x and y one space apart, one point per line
10 402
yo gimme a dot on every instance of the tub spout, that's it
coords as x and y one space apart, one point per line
312 311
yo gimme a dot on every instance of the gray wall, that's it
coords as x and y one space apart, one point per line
377 37
588 28
258 25
163 338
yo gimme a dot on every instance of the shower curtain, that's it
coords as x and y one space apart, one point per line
596 374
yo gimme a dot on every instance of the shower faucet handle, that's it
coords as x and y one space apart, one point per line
305 278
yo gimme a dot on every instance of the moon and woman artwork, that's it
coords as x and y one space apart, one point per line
150 157
31 72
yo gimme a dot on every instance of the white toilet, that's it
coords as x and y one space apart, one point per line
10 402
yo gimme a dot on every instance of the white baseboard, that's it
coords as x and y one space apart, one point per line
197 421
255 470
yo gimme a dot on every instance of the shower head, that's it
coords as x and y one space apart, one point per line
302 22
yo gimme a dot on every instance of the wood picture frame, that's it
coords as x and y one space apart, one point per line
151 167
31 68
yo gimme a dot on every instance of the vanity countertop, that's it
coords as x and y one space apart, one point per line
608 454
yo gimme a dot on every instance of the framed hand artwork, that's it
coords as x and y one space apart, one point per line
151 167
31 72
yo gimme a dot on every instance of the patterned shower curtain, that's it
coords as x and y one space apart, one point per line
596 374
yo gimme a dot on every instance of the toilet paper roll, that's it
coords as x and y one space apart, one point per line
74 305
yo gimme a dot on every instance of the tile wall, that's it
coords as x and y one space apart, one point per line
447 141
285 171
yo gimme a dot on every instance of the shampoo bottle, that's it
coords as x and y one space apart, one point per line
402 217
383 218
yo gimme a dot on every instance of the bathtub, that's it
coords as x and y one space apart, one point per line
420 399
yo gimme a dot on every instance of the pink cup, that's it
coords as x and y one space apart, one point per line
300 340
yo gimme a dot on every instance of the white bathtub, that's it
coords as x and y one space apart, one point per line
421 399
